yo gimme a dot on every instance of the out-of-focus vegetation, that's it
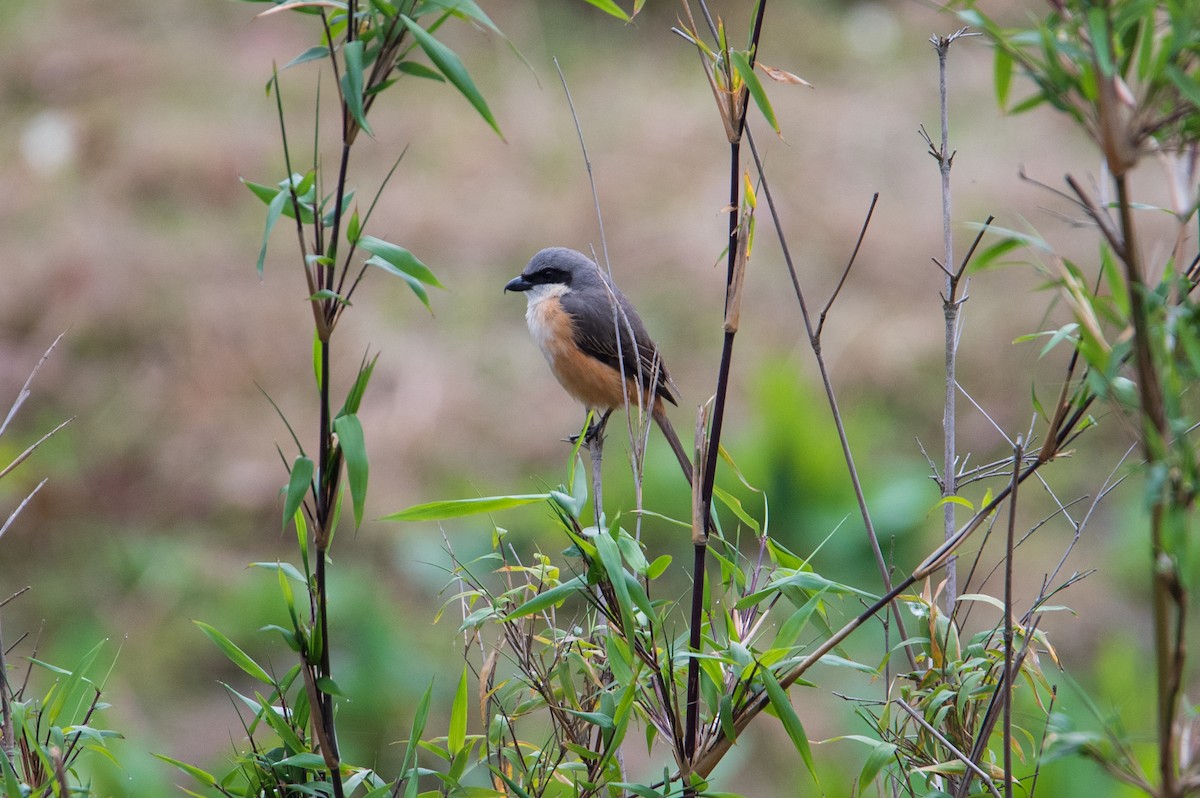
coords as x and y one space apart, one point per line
123 131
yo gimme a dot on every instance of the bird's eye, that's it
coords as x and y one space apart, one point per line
550 276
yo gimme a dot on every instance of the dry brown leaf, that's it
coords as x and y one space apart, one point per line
782 75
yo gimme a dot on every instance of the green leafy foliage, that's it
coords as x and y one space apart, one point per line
52 735
1081 50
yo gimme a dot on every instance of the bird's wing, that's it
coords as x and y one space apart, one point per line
595 328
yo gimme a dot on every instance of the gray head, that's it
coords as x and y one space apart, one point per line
558 269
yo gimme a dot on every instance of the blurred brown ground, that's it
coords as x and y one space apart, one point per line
124 128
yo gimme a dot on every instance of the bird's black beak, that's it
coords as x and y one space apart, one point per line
518 283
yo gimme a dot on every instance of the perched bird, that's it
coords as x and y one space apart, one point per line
575 314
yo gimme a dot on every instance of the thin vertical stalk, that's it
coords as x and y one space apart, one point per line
330 466
951 304
1007 684
7 743
736 127
1168 644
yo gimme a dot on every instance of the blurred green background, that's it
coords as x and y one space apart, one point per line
124 129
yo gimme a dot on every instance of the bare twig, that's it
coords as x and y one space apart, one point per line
830 394
951 305
849 265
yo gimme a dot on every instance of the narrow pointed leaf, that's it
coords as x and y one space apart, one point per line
452 67
354 448
235 654
419 71
456 740
457 508
746 71
399 259
352 83
274 211
202 776
880 755
355 394
610 557
311 54
418 729
609 7
548 598
791 721
463 9
1002 76
298 485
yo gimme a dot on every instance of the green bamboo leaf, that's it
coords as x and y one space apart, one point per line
419 71
398 261
619 659
742 64
609 7
298 484
274 211
202 776
548 598
307 761
512 785
881 754
354 396
311 54
806 581
791 721
66 689
354 448
457 737
658 567
418 729
1002 75
452 67
264 193
352 83
274 718
457 508
235 654
1066 332
610 558
325 293
959 500
1097 21
735 504
288 570
401 258
594 718
790 631
463 9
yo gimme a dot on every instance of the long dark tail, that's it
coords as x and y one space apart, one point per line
664 423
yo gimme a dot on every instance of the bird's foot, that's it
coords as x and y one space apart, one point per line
594 433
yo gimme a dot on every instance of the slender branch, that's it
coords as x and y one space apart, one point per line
950 308
830 394
862 233
8 743
1008 620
